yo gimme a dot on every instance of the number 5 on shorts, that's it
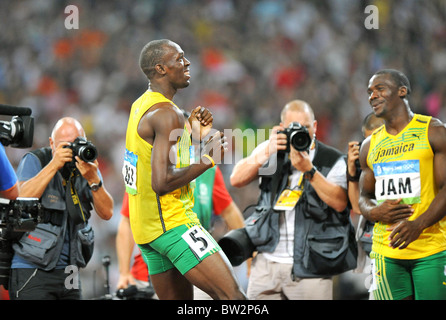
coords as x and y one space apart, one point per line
199 240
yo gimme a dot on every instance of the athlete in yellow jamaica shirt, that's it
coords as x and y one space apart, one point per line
403 189
158 174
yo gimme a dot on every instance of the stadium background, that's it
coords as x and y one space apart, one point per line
248 59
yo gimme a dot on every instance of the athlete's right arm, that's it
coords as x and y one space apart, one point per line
167 126
389 211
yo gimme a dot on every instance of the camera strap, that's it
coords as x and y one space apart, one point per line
72 201
74 206
276 177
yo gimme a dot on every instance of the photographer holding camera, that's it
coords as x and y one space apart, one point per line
301 228
68 187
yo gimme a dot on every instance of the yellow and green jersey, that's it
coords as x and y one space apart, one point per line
150 214
403 168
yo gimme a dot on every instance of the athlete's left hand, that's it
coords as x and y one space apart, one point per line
403 233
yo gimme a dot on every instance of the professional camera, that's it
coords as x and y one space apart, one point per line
297 136
133 293
16 217
19 132
84 149
237 246
357 163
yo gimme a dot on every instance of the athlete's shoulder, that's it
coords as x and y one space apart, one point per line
422 118
379 130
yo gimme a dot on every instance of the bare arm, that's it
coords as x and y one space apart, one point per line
102 200
408 231
332 194
389 211
124 250
247 170
232 216
164 126
11 193
34 187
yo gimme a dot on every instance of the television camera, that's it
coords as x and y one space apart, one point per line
16 217
19 132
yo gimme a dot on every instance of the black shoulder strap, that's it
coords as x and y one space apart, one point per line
74 206
44 155
277 177
272 182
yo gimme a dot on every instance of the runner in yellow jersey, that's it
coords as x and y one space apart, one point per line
403 189
157 174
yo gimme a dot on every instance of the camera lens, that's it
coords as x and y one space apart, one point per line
237 246
87 154
300 140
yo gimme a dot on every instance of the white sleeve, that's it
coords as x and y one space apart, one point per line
337 174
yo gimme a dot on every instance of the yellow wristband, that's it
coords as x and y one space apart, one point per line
210 159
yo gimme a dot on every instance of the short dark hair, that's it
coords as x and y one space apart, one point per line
151 55
398 77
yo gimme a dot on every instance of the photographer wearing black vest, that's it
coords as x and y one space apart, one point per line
301 226
66 179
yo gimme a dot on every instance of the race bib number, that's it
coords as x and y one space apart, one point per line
199 240
129 171
398 179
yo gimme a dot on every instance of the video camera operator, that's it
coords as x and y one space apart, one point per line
66 179
17 133
301 226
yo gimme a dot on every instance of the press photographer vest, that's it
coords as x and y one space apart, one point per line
42 247
54 196
324 239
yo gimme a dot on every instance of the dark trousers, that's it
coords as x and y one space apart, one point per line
37 284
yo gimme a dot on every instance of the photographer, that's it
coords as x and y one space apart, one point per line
364 231
8 180
369 124
67 187
313 217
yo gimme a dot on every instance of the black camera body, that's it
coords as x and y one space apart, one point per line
19 132
297 136
133 293
358 165
20 215
83 149
237 246
16 217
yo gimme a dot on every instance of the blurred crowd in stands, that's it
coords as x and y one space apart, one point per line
249 57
